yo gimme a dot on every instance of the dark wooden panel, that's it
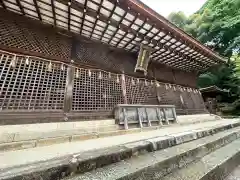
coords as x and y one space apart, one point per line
21 33
185 78
101 56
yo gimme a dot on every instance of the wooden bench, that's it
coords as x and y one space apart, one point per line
144 115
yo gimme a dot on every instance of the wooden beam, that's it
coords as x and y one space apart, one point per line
37 9
185 63
69 15
95 23
124 15
135 35
163 44
108 20
53 11
20 6
145 11
84 14
182 54
160 24
2 4
146 34
127 31
169 52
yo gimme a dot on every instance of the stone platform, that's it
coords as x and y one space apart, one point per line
60 160
15 137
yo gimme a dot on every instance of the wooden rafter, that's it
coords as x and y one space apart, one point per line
37 9
187 57
84 14
69 14
142 35
181 54
2 4
155 34
186 62
135 35
126 32
108 20
175 47
145 12
125 28
150 39
169 53
20 6
95 22
161 44
171 48
119 23
53 11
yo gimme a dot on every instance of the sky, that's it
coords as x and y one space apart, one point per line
165 7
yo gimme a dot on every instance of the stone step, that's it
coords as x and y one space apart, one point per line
24 136
17 137
30 139
50 138
14 133
214 166
156 165
57 168
235 174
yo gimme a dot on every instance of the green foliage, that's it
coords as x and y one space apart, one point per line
236 60
230 108
224 77
227 78
217 25
178 18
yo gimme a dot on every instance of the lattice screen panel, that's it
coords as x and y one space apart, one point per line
198 101
96 90
167 95
139 91
22 33
31 84
188 102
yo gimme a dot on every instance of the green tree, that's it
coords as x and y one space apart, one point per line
217 25
178 18
236 59
224 77
227 78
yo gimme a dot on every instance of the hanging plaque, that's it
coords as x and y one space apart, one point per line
143 59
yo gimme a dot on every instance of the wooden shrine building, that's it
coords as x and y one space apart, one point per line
65 60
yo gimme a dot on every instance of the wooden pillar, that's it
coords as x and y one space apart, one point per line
165 116
69 89
139 118
159 117
174 114
124 92
148 120
125 118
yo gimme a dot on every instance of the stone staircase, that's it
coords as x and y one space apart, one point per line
208 150
16 137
